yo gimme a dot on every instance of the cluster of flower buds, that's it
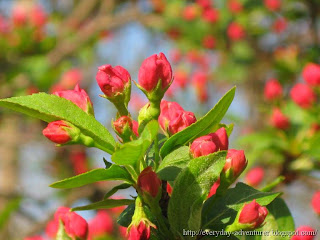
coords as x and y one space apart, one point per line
251 216
173 118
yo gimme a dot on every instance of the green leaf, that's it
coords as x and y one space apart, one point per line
125 217
130 153
279 219
105 204
48 107
115 172
191 189
202 127
173 163
116 188
218 213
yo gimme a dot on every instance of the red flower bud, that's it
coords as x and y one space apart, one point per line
311 74
315 202
59 132
140 232
279 25
303 95
123 231
220 138
304 233
204 3
71 78
52 228
100 225
173 118
235 6
135 127
121 123
273 89
75 226
210 15
279 120
154 69
112 80
235 31
38 16
19 15
209 42
252 213
169 189
236 162
214 188
272 5
203 146
149 182
79 97
255 176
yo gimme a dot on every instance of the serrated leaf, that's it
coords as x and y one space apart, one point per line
191 189
202 127
130 153
115 172
173 163
48 107
105 204
125 217
115 189
218 213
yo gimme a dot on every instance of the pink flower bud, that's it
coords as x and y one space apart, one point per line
210 15
34 238
220 138
255 176
173 118
315 202
235 31
58 132
311 74
252 213
235 6
204 3
236 162
303 95
135 127
272 5
169 189
140 232
214 188
279 120
38 16
79 97
149 182
272 90
190 12
203 146
100 225
112 80
19 15
71 78
154 69
52 228
304 233
209 42
75 226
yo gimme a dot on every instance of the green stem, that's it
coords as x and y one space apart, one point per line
156 153
122 109
156 210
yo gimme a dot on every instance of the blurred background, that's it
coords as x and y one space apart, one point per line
52 45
